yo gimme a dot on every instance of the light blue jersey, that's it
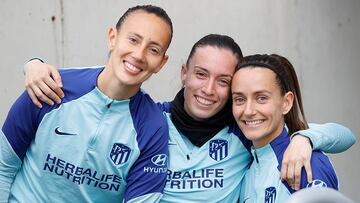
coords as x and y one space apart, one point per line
211 173
262 182
89 148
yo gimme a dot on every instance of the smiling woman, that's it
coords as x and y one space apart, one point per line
85 158
266 97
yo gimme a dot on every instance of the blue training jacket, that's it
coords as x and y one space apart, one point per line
262 182
89 148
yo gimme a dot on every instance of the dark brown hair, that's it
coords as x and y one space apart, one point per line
159 12
219 41
287 81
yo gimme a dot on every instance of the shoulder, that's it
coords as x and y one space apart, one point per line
148 119
234 129
323 172
78 81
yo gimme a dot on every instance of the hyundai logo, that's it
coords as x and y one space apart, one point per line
159 159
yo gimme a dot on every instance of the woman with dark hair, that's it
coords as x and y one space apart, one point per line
208 155
268 108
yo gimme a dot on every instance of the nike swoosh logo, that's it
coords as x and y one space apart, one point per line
62 133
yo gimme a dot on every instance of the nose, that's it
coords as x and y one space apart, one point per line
139 53
208 87
250 109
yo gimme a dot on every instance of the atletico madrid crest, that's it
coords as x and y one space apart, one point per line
120 153
218 149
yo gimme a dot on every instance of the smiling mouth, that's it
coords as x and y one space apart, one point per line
253 123
132 68
204 101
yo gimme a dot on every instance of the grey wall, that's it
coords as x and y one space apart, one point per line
321 38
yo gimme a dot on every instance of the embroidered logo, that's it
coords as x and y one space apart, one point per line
58 132
159 159
316 183
270 195
218 149
120 153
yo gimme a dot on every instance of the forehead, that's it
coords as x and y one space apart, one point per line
214 60
147 25
254 79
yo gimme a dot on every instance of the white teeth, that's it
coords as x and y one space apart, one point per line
255 122
204 101
132 68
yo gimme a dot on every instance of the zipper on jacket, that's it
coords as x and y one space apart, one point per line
256 157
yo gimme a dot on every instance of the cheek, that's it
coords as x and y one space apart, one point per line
237 111
224 94
192 83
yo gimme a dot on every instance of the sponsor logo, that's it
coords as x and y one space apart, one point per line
160 162
58 132
120 153
270 195
159 159
316 183
195 179
79 175
218 149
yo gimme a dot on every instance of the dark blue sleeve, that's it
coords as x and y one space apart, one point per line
147 177
21 124
322 171
24 117
165 106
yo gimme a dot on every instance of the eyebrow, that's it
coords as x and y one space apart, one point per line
151 42
237 93
222 75
257 92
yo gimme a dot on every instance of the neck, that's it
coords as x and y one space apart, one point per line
268 138
112 87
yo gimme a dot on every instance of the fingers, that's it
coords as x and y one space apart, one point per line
48 92
283 171
290 175
33 97
40 95
51 89
297 175
44 82
56 76
308 171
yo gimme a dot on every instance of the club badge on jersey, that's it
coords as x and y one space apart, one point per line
120 153
218 149
270 195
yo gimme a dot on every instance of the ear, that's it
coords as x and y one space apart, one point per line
183 73
112 34
163 62
288 102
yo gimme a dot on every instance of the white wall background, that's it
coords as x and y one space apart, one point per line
321 38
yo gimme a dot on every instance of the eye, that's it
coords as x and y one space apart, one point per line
224 82
132 40
262 99
200 74
239 100
154 51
